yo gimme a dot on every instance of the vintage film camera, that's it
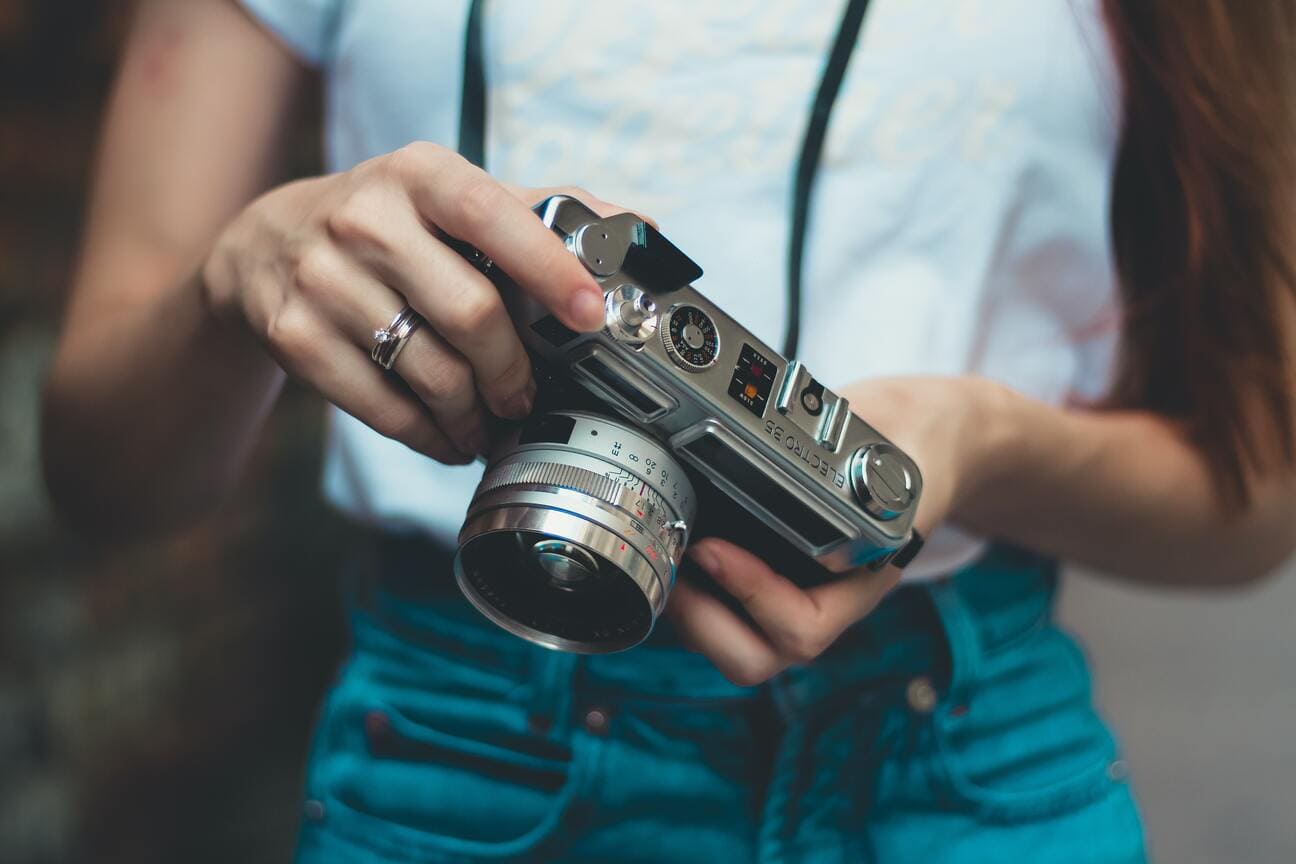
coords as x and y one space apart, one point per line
576 531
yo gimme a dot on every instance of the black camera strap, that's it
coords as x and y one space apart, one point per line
808 162
472 104
472 145
472 137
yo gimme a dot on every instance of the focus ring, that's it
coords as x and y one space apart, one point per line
553 474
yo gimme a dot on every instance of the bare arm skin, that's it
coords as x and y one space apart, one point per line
1122 491
148 392
190 302
1127 493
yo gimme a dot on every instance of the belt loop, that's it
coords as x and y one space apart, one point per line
555 682
961 633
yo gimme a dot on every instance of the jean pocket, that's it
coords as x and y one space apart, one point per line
450 777
1027 744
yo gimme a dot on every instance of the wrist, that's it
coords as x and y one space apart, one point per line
995 421
217 279
250 247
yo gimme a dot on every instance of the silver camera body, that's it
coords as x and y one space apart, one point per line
578 527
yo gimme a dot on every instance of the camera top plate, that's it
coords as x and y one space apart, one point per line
757 425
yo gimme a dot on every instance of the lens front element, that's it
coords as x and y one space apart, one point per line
575 532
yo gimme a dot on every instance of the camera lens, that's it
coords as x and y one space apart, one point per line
574 533
567 565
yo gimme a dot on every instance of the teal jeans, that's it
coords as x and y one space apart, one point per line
953 725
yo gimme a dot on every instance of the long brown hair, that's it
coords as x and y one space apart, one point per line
1203 229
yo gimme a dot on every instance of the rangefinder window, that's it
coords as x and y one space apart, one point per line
645 407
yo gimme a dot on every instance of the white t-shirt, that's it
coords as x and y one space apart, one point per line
960 218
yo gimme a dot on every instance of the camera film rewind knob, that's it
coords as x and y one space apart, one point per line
882 481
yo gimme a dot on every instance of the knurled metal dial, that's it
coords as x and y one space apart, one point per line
882 481
571 477
690 338
621 490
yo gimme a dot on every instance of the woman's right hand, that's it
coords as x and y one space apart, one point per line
313 268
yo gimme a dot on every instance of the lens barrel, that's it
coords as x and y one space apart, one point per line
575 532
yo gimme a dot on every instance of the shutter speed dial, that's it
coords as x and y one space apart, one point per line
690 338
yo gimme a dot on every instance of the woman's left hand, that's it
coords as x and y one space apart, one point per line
946 425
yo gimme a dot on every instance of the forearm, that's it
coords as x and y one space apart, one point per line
150 412
151 403
1122 491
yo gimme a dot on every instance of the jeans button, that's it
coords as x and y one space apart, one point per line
921 695
596 721
376 726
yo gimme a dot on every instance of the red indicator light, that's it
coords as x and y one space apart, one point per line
758 371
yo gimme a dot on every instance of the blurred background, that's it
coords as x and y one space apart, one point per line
155 700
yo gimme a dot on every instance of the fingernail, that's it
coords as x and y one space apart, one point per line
519 405
587 309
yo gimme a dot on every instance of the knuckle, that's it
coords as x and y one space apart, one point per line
432 443
400 421
804 644
515 375
358 220
443 380
476 201
315 270
414 159
288 331
472 311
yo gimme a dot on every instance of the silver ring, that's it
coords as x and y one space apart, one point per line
389 341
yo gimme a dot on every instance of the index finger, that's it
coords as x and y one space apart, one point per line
466 203
800 622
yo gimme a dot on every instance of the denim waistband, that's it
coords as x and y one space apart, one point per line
403 589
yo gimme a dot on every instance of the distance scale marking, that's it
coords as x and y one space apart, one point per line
661 482
642 472
690 338
651 505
